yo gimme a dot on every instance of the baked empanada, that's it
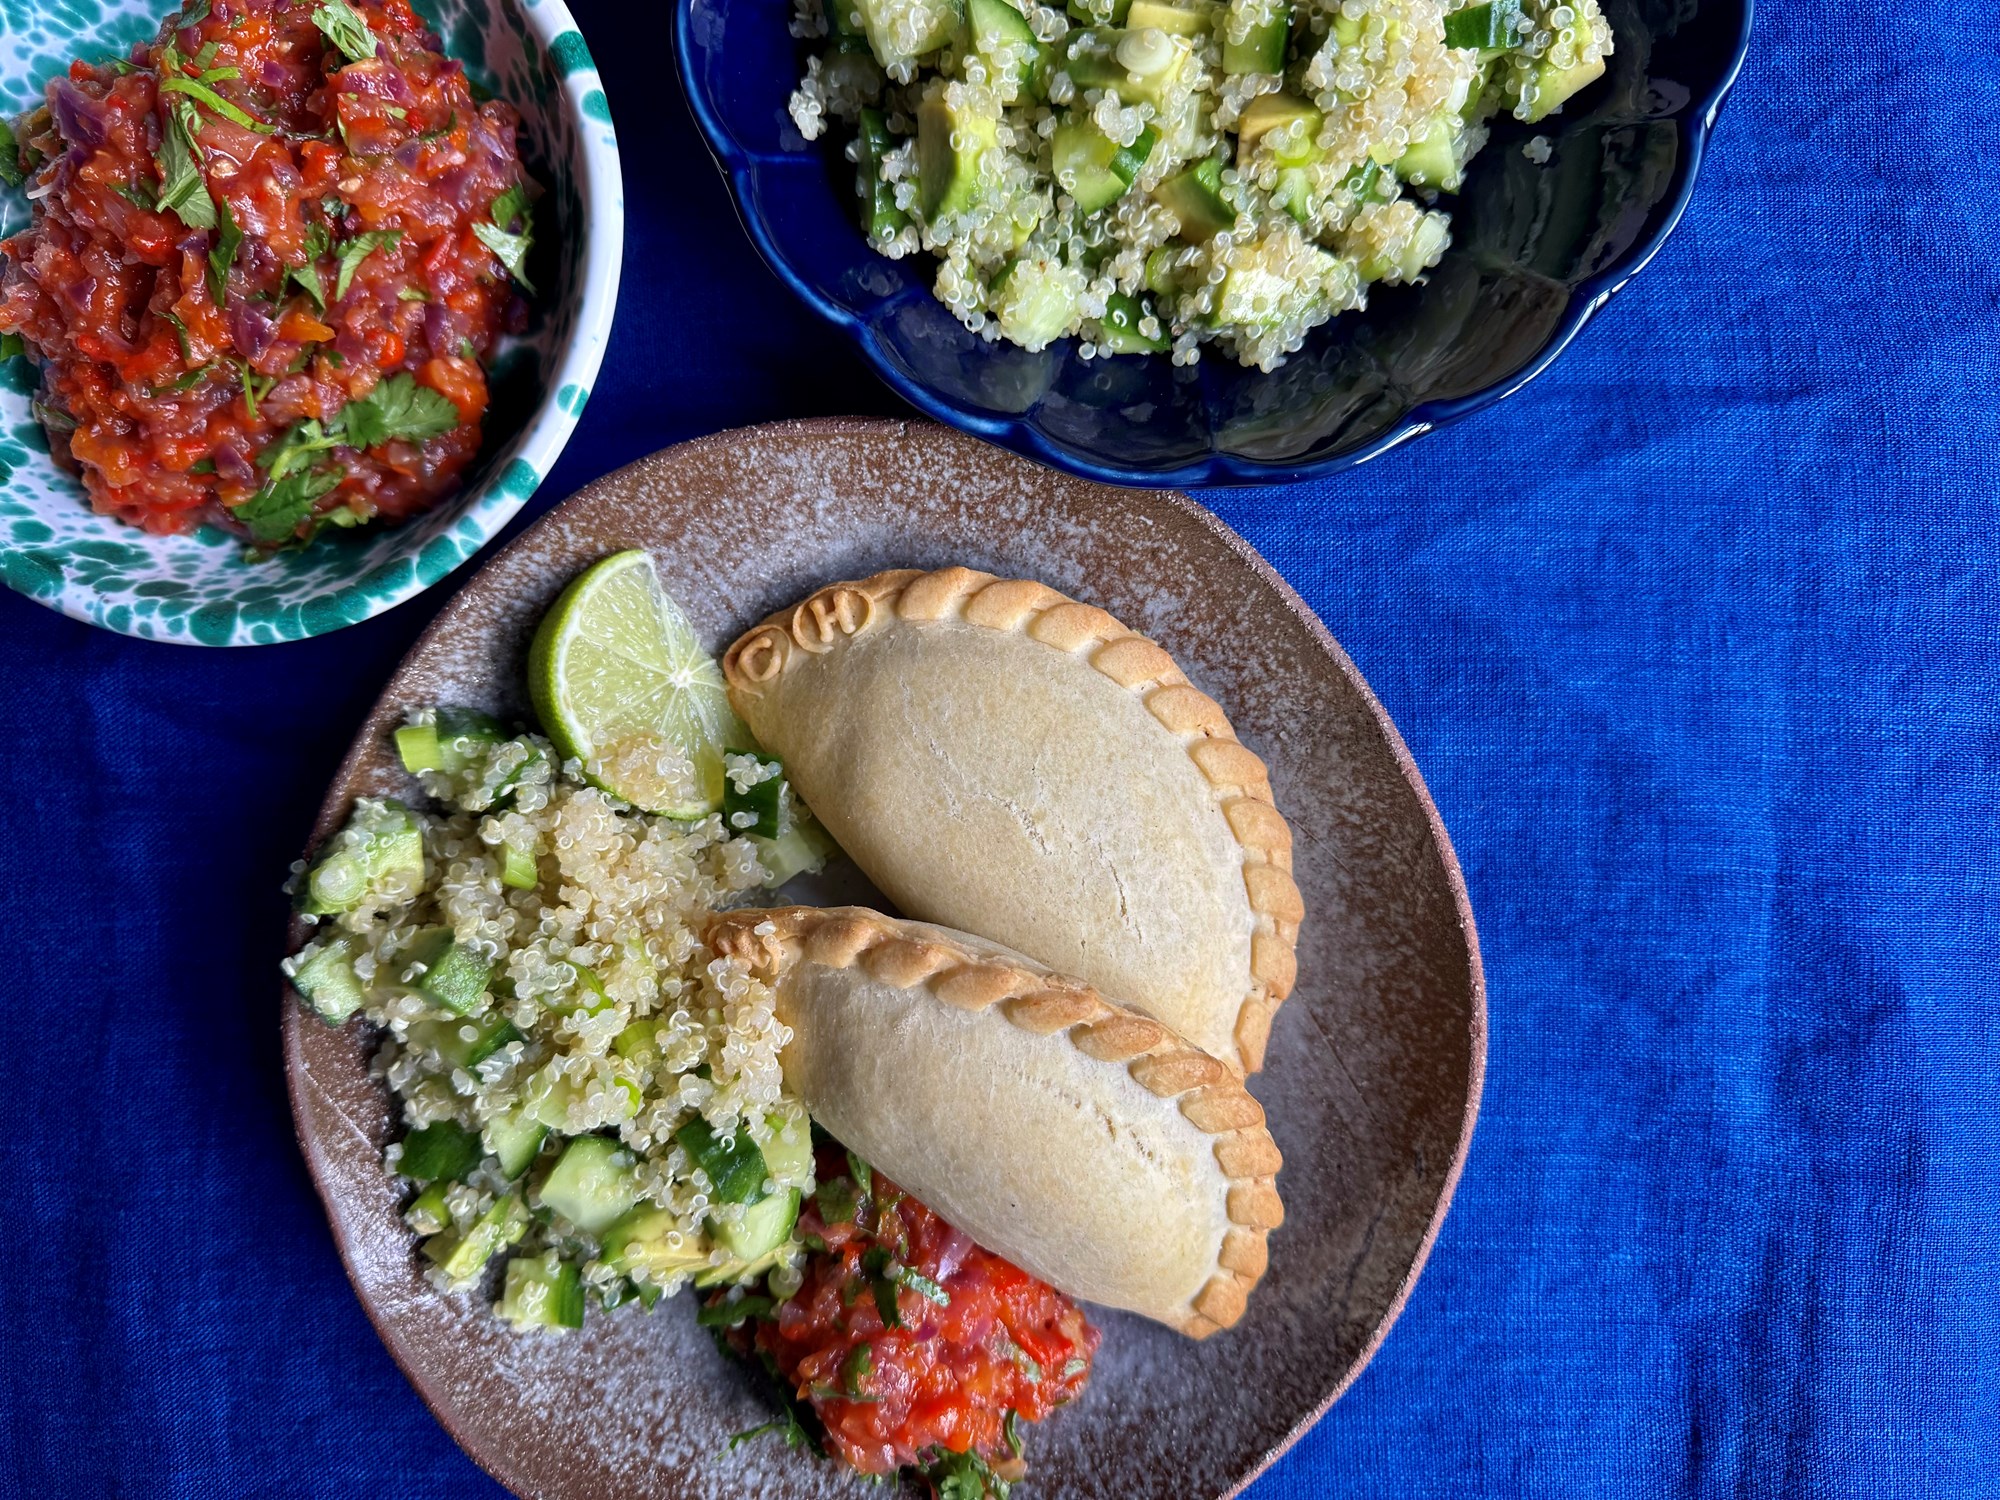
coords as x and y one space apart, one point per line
1000 758
1090 1146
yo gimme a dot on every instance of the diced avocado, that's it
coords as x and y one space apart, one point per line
592 1183
735 1168
443 1151
952 144
1139 66
448 1039
381 840
763 1227
1410 258
900 30
463 1256
1195 198
1118 330
1095 169
1175 17
1288 126
428 1214
803 850
1262 50
1035 301
543 1291
516 1140
788 1158
736 1270
1430 160
1554 87
638 1243
1002 36
451 978
323 973
879 214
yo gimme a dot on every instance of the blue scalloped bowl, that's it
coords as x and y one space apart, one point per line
201 589
1537 250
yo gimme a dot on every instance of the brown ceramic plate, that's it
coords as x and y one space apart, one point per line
1375 1063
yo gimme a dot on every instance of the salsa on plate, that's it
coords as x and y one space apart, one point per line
271 253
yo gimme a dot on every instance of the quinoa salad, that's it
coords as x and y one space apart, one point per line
1154 175
589 1097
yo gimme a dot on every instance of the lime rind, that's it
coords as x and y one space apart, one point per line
622 685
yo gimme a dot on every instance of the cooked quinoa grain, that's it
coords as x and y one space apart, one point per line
529 949
1154 175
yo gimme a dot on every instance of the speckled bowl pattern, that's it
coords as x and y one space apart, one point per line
201 588
1537 250
1375 1062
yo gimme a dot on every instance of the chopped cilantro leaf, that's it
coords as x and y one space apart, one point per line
10 156
346 28
836 1200
275 511
296 446
857 1367
307 275
205 58
727 1314
397 408
921 1284
1011 1429
412 294
511 245
137 197
194 16
795 1436
1075 1367
359 249
12 346
183 189
222 253
964 1476
205 466
255 387
181 336
864 1175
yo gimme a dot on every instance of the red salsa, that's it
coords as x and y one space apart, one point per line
914 1346
270 255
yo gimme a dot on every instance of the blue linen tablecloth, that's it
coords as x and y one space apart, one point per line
1696 641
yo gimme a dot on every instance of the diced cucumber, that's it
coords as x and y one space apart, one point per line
451 978
788 1158
323 973
592 1184
803 850
1262 49
736 1270
1288 126
586 997
951 156
448 1039
1118 330
763 804
1369 183
463 1256
843 26
764 1226
1195 198
543 1291
880 215
1002 36
417 747
1095 169
1139 66
381 840
1488 28
735 1168
1293 192
1166 274
443 1151
1099 12
899 31
1555 87
1430 160
1175 17
1036 303
429 1214
516 1140
637 1040
1410 258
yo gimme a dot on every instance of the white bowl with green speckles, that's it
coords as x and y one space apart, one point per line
202 589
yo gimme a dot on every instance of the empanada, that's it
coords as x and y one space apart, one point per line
1090 1146
1003 759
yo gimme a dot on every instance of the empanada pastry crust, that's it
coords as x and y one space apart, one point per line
1003 759
1089 1145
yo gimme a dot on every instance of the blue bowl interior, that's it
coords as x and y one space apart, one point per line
1535 249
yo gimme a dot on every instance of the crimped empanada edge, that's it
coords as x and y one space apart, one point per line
1211 1096
824 620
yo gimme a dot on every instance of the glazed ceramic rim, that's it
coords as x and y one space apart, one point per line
740 168
542 438
333 809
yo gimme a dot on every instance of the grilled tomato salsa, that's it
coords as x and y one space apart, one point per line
270 254
912 1346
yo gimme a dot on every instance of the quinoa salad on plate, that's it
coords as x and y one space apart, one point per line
1154 175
